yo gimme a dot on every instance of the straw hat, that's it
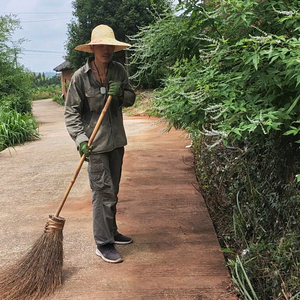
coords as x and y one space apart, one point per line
102 35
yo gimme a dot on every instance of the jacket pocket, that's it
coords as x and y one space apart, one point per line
95 99
99 175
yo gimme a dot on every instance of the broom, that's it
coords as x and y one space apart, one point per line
39 273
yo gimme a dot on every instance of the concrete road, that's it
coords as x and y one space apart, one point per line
175 254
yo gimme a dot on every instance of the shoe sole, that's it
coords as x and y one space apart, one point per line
123 243
108 260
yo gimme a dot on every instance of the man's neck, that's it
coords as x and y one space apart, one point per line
100 69
101 66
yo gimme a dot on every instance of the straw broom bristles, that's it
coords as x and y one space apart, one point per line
39 272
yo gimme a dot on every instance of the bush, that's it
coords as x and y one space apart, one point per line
17 103
17 124
59 99
238 97
253 199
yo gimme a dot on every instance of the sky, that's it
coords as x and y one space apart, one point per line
44 26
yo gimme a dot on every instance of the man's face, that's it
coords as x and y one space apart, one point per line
103 53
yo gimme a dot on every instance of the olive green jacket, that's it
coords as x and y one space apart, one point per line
85 102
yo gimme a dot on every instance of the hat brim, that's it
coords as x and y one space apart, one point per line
118 45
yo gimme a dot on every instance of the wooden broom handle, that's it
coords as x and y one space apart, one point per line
91 139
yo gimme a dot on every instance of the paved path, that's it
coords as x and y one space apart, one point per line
175 254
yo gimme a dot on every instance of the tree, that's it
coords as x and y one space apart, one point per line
17 124
125 17
41 80
15 82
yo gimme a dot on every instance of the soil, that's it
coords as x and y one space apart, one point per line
175 253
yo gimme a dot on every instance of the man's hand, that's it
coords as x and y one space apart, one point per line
114 89
83 149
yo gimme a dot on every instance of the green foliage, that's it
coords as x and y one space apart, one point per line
124 17
9 53
15 102
236 90
17 125
230 84
254 202
156 48
15 83
15 88
59 99
16 128
41 79
46 87
46 92
241 279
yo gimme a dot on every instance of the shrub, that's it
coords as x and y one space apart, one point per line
238 97
254 202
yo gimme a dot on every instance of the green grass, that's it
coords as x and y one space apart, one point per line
16 128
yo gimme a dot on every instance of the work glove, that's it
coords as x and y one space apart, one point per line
114 89
84 149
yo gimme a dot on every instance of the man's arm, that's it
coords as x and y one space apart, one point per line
73 111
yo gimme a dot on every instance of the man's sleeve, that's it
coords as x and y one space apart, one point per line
73 111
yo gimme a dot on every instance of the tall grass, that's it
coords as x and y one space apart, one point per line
16 128
241 279
46 92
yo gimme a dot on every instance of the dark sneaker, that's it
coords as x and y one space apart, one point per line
109 253
122 239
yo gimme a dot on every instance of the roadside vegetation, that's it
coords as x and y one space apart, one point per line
228 72
18 88
17 124
45 87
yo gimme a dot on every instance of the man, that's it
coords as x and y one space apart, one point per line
88 90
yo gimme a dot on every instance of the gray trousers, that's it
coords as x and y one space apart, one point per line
105 174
